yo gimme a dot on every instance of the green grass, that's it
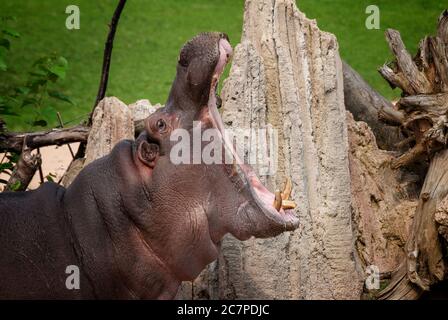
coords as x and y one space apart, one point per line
151 32
365 50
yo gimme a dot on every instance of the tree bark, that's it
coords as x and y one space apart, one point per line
424 82
112 122
13 142
108 56
24 171
288 74
369 106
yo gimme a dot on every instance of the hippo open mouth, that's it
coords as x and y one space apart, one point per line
136 223
276 207
228 193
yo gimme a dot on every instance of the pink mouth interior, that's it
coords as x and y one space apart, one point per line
263 194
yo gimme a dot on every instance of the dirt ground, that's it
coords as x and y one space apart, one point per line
55 160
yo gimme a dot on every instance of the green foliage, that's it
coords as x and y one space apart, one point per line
6 34
151 32
7 164
31 102
16 185
50 177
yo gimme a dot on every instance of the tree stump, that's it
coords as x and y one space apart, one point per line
112 121
424 103
288 74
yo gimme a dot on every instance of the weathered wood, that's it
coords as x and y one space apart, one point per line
426 101
425 107
410 156
400 288
424 265
394 79
438 47
14 141
424 82
24 171
288 74
441 217
112 122
415 81
369 106
428 266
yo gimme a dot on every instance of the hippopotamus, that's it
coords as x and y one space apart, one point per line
134 223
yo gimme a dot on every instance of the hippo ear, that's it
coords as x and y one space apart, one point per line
148 153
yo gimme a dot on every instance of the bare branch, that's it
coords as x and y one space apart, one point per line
14 141
369 106
107 55
418 83
24 171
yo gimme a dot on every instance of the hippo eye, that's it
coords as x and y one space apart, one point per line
161 125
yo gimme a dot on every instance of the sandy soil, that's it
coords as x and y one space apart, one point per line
55 160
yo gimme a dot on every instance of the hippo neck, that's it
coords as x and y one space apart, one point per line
177 96
112 251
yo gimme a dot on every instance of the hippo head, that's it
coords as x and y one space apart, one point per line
193 203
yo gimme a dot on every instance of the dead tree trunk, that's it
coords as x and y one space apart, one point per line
356 206
112 121
424 82
369 106
288 74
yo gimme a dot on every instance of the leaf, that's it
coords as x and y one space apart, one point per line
62 61
11 32
60 96
29 101
36 84
6 165
58 70
38 73
50 177
40 123
40 61
14 157
22 90
52 77
7 112
5 43
15 186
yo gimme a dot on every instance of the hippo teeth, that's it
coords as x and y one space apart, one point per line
277 200
281 199
287 190
288 204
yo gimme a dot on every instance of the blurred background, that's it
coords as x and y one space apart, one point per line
46 68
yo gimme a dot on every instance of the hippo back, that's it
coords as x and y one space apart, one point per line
35 244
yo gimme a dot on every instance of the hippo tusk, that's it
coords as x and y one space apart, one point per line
287 190
277 200
288 204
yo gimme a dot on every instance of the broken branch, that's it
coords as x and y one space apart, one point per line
13 142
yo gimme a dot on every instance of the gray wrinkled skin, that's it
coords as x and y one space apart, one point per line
134 223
